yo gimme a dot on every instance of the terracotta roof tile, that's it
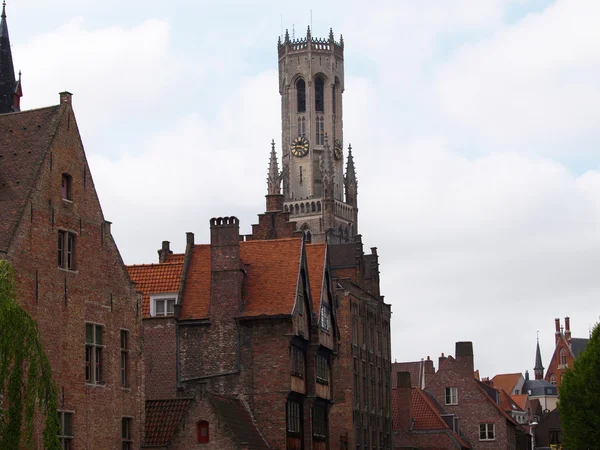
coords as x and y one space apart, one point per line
162 418
155 279
416 372
507 403
196 294
506 381
496 405
175 258
521 400
239 422
315 258
24 140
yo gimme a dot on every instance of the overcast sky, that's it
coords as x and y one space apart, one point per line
474 125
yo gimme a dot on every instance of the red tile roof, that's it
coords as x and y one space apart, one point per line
162 419
507 403
416 372
24 141
521 400
155 279
506 381
315 258
196 294
487 396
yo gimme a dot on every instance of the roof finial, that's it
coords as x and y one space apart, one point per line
331 34
4 9
274 177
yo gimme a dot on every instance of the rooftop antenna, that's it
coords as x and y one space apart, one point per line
311 27
281 26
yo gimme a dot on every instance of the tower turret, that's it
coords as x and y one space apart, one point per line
311 84
10 88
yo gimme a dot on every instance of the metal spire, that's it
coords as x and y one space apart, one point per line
539 368
8 83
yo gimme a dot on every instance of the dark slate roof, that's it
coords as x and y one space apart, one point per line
239 421
24 140
537 388
578 345
538 358
162 418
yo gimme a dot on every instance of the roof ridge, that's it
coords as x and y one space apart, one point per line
431 406
30 110
154 264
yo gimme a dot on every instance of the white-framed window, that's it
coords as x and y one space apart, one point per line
66 249
451 395
163 304
65 431
563 357
325 317
126 435
487 432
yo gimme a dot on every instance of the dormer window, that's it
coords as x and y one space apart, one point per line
162 305
65 186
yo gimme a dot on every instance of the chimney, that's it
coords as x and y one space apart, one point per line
527 375
403 401
164 252
429 372
441 359
568 330
557 332
464 357
65 97
274 202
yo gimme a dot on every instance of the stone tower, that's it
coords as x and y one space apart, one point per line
320 199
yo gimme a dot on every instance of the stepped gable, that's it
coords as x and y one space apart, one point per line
24 141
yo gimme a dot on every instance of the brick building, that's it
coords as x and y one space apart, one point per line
472 409
247 325
567 348
70 276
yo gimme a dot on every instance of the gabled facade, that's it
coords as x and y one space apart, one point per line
253 322
70 277
566 349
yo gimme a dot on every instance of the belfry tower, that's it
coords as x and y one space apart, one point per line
320 199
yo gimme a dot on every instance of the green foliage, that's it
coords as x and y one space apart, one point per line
579 404
25 373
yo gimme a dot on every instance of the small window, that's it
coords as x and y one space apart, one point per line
163 305
66 250
319 422
487 432
126 435
552 379
301 95
451 396
65 432
65 187
319 94
297 358
320 130
124 358
322 369
93 353
325 318
294 417
203 432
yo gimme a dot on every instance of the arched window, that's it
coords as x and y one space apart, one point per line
313 207
203 436
318 206
320 130
563 357
301 95
302 208
552 379
319 94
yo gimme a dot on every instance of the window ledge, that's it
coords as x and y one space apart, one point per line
95 385
66 200
62 269
126 388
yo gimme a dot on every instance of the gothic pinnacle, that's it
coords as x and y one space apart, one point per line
274 176
350 168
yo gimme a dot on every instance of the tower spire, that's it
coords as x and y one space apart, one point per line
539 368
350 169
274 176
9 94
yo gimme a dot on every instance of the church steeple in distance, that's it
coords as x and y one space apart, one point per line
10 88
539 368
311 84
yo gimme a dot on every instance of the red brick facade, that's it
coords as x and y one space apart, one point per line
40 150
566 350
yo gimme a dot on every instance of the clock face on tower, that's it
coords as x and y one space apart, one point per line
299 146
337 149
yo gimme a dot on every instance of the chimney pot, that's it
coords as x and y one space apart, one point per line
65 97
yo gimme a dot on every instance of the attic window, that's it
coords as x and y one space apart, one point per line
65 187
162 305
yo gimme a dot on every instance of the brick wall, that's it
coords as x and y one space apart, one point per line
98 291
160 358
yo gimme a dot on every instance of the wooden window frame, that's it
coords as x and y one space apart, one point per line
202 426
66 245
66 440
451 395
485 431
124 335
94 359
126 436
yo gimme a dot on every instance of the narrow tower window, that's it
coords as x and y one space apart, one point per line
65 187
319 94
301 95
301 126
320 133
333 98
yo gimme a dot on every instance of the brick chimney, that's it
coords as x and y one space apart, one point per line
65 97
464 358
225 294
557 333
164 251
404 400
429 371
441 359
568 330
